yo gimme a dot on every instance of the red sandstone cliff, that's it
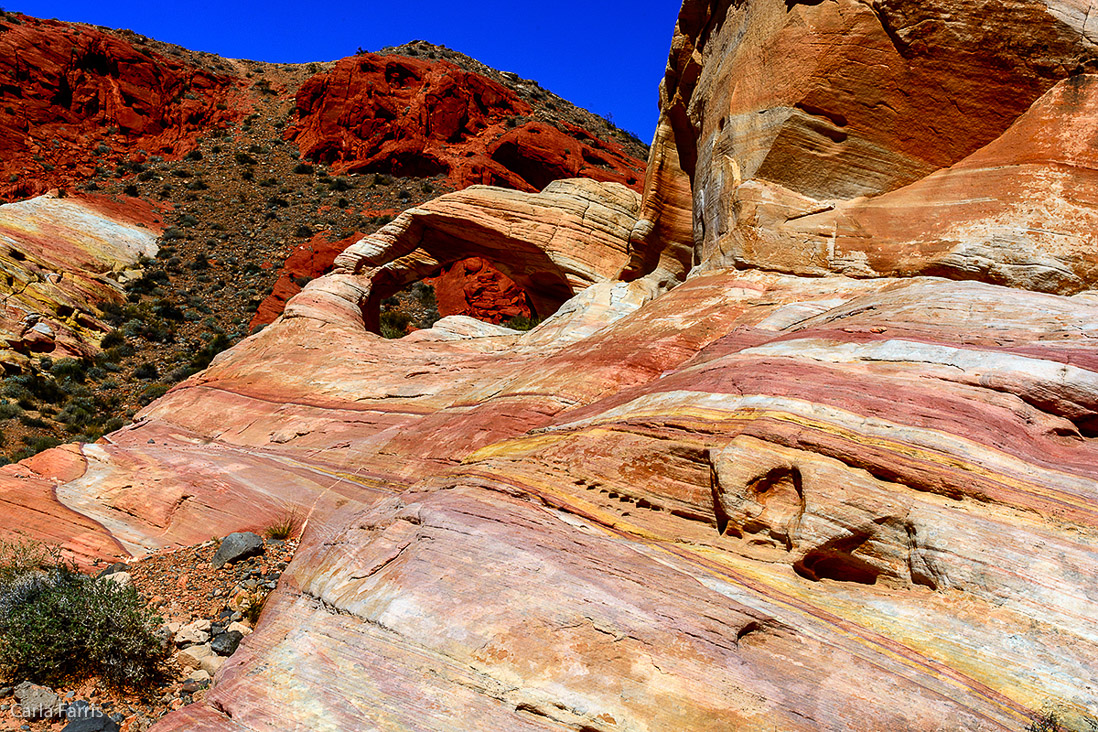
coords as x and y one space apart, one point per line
74 98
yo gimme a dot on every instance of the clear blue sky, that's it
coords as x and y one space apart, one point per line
605 55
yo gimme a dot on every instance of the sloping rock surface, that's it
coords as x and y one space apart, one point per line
710 491
61 259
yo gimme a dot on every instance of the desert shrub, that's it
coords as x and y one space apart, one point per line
69 368
9 410
244 159
284 527
112 339
394 324
152 392
56 622
29 421
206 354
425 293
146 371
303 169
340 184
521 322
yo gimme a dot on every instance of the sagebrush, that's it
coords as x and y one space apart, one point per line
58 623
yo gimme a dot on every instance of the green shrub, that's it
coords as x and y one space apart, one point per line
521 322
56 623
152 392
69 368
146 371
394 324
284 527
112 339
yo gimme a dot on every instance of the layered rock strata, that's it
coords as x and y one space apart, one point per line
758 499
61 260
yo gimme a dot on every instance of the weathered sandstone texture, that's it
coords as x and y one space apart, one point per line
73 98
551 244
414 116
710 491
60 260
475 288
792 118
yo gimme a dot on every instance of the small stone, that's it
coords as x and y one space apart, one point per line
199 676
212 664
122 579
235 547
37 701
5 692
193 656
195 633
238 627
226 643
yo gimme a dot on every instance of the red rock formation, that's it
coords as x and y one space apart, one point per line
475 288
759 500
309 261
73 98
412 116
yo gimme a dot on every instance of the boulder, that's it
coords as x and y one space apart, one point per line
37 701
237 546
224 644
82 717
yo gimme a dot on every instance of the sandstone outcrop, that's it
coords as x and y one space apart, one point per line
551 244
475 288
703 493
792 114
73 98
62 259
414 116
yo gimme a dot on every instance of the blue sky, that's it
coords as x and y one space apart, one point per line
605 55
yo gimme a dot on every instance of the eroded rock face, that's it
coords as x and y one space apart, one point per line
789 114
413 116
552 244
73 97
475 288
63 258
756 499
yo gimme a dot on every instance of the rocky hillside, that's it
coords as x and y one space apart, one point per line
808 442
252 177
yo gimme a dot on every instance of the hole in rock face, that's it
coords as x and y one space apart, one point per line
474 287
835 560
820 565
